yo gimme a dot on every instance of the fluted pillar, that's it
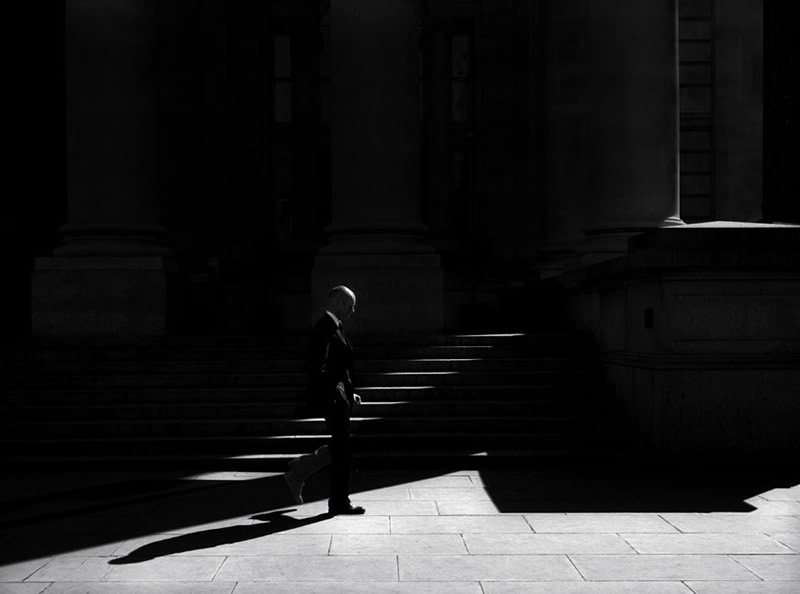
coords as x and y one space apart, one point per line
376 237
108 276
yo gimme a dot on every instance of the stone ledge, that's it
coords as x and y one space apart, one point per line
721 248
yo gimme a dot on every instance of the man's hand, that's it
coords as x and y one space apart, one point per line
357 398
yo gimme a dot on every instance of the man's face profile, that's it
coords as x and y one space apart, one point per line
343 303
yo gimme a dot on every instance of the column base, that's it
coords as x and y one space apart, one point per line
112 240
609 241
102 297
397 295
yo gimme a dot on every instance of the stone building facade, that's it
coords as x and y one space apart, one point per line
621 167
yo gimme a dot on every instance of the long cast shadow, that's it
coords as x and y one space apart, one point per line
96 516
274 522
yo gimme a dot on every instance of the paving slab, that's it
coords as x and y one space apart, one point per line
439 494
142 588
782 494
545 544
72 569
25 588
608 522
585 588
738 523
705 544
468 508
360 588
167 569
772 567
398 544
744 587
21 570
791 540
364 568
414 568
660 568
459 525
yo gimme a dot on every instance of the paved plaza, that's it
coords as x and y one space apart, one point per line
578 530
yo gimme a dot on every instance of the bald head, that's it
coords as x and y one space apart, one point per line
341 302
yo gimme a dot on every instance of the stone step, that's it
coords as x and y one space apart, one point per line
21 397
529 458
12 359
98 413
293 445
67 369
231 402
296 347
225 427
394 379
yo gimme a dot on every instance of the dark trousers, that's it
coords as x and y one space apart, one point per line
337 418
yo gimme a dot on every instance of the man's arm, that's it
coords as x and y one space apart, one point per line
324 379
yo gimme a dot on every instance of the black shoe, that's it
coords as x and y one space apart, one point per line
346 510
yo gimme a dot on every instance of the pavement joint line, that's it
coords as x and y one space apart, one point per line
733 558
671 524
569 558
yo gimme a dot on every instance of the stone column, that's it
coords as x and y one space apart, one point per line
738 110
566 129
440 205
376 238
109 276
632 145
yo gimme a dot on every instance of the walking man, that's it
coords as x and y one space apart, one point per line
331 394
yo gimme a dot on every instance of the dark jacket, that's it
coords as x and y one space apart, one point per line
330 361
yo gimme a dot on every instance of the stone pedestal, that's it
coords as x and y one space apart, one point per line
377 242
699 331
103 297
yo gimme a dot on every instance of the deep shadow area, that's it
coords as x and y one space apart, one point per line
192 513
657 488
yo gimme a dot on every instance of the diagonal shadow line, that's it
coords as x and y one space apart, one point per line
119 489
275 522
219 501
92 492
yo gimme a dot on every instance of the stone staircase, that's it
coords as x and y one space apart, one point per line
238 403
